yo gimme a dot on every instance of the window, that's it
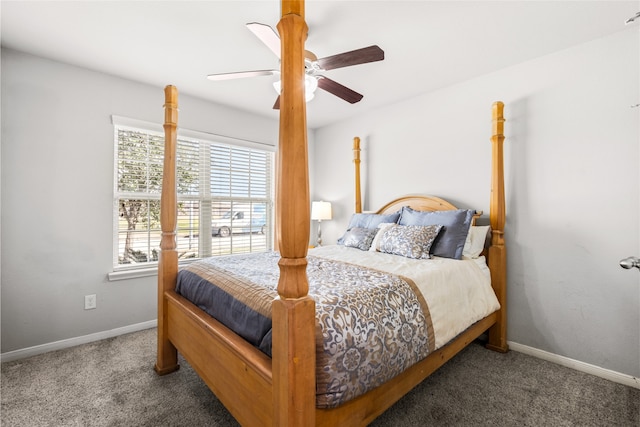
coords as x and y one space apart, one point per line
224 195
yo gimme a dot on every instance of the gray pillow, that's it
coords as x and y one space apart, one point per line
411 241
369 220
360 238
450 241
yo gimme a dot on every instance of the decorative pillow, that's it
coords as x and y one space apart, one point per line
375 245
369 220
411 241
360 238
450 242
476 239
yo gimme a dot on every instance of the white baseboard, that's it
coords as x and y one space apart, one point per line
72 342
607 374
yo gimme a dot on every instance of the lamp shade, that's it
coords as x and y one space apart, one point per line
320 211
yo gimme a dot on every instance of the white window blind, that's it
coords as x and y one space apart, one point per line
224 197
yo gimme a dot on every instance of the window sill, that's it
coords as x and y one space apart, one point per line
135 273
132 274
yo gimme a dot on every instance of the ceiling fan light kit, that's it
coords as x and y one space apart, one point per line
313 67
310 86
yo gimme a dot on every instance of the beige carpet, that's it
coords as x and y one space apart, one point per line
112 383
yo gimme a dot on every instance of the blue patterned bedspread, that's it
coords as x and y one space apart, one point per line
371 325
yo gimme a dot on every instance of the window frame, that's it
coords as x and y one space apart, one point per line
124 271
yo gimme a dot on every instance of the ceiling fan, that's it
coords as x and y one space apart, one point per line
314 67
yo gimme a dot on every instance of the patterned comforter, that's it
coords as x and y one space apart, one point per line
371 324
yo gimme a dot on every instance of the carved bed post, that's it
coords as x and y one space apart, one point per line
497 258
356 161
293 311
167 360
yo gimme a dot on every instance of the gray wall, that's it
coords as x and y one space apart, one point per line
57 195
571 154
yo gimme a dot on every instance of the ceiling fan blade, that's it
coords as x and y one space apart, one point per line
276 105
339 90
242 74
354 57
267 35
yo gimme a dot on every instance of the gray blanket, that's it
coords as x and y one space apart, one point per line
371 325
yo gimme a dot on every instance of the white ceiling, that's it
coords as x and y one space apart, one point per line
427 44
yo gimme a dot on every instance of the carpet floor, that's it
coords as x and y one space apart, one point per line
112 383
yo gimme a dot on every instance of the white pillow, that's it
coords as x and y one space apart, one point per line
375 245
476 238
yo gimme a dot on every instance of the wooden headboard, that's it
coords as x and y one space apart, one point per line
419 203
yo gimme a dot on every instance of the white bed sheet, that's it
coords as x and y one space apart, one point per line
458 292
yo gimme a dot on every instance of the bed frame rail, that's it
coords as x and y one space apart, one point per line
237 373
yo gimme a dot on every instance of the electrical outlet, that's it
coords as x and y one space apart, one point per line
90 302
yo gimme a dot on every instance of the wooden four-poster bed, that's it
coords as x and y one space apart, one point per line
260 390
